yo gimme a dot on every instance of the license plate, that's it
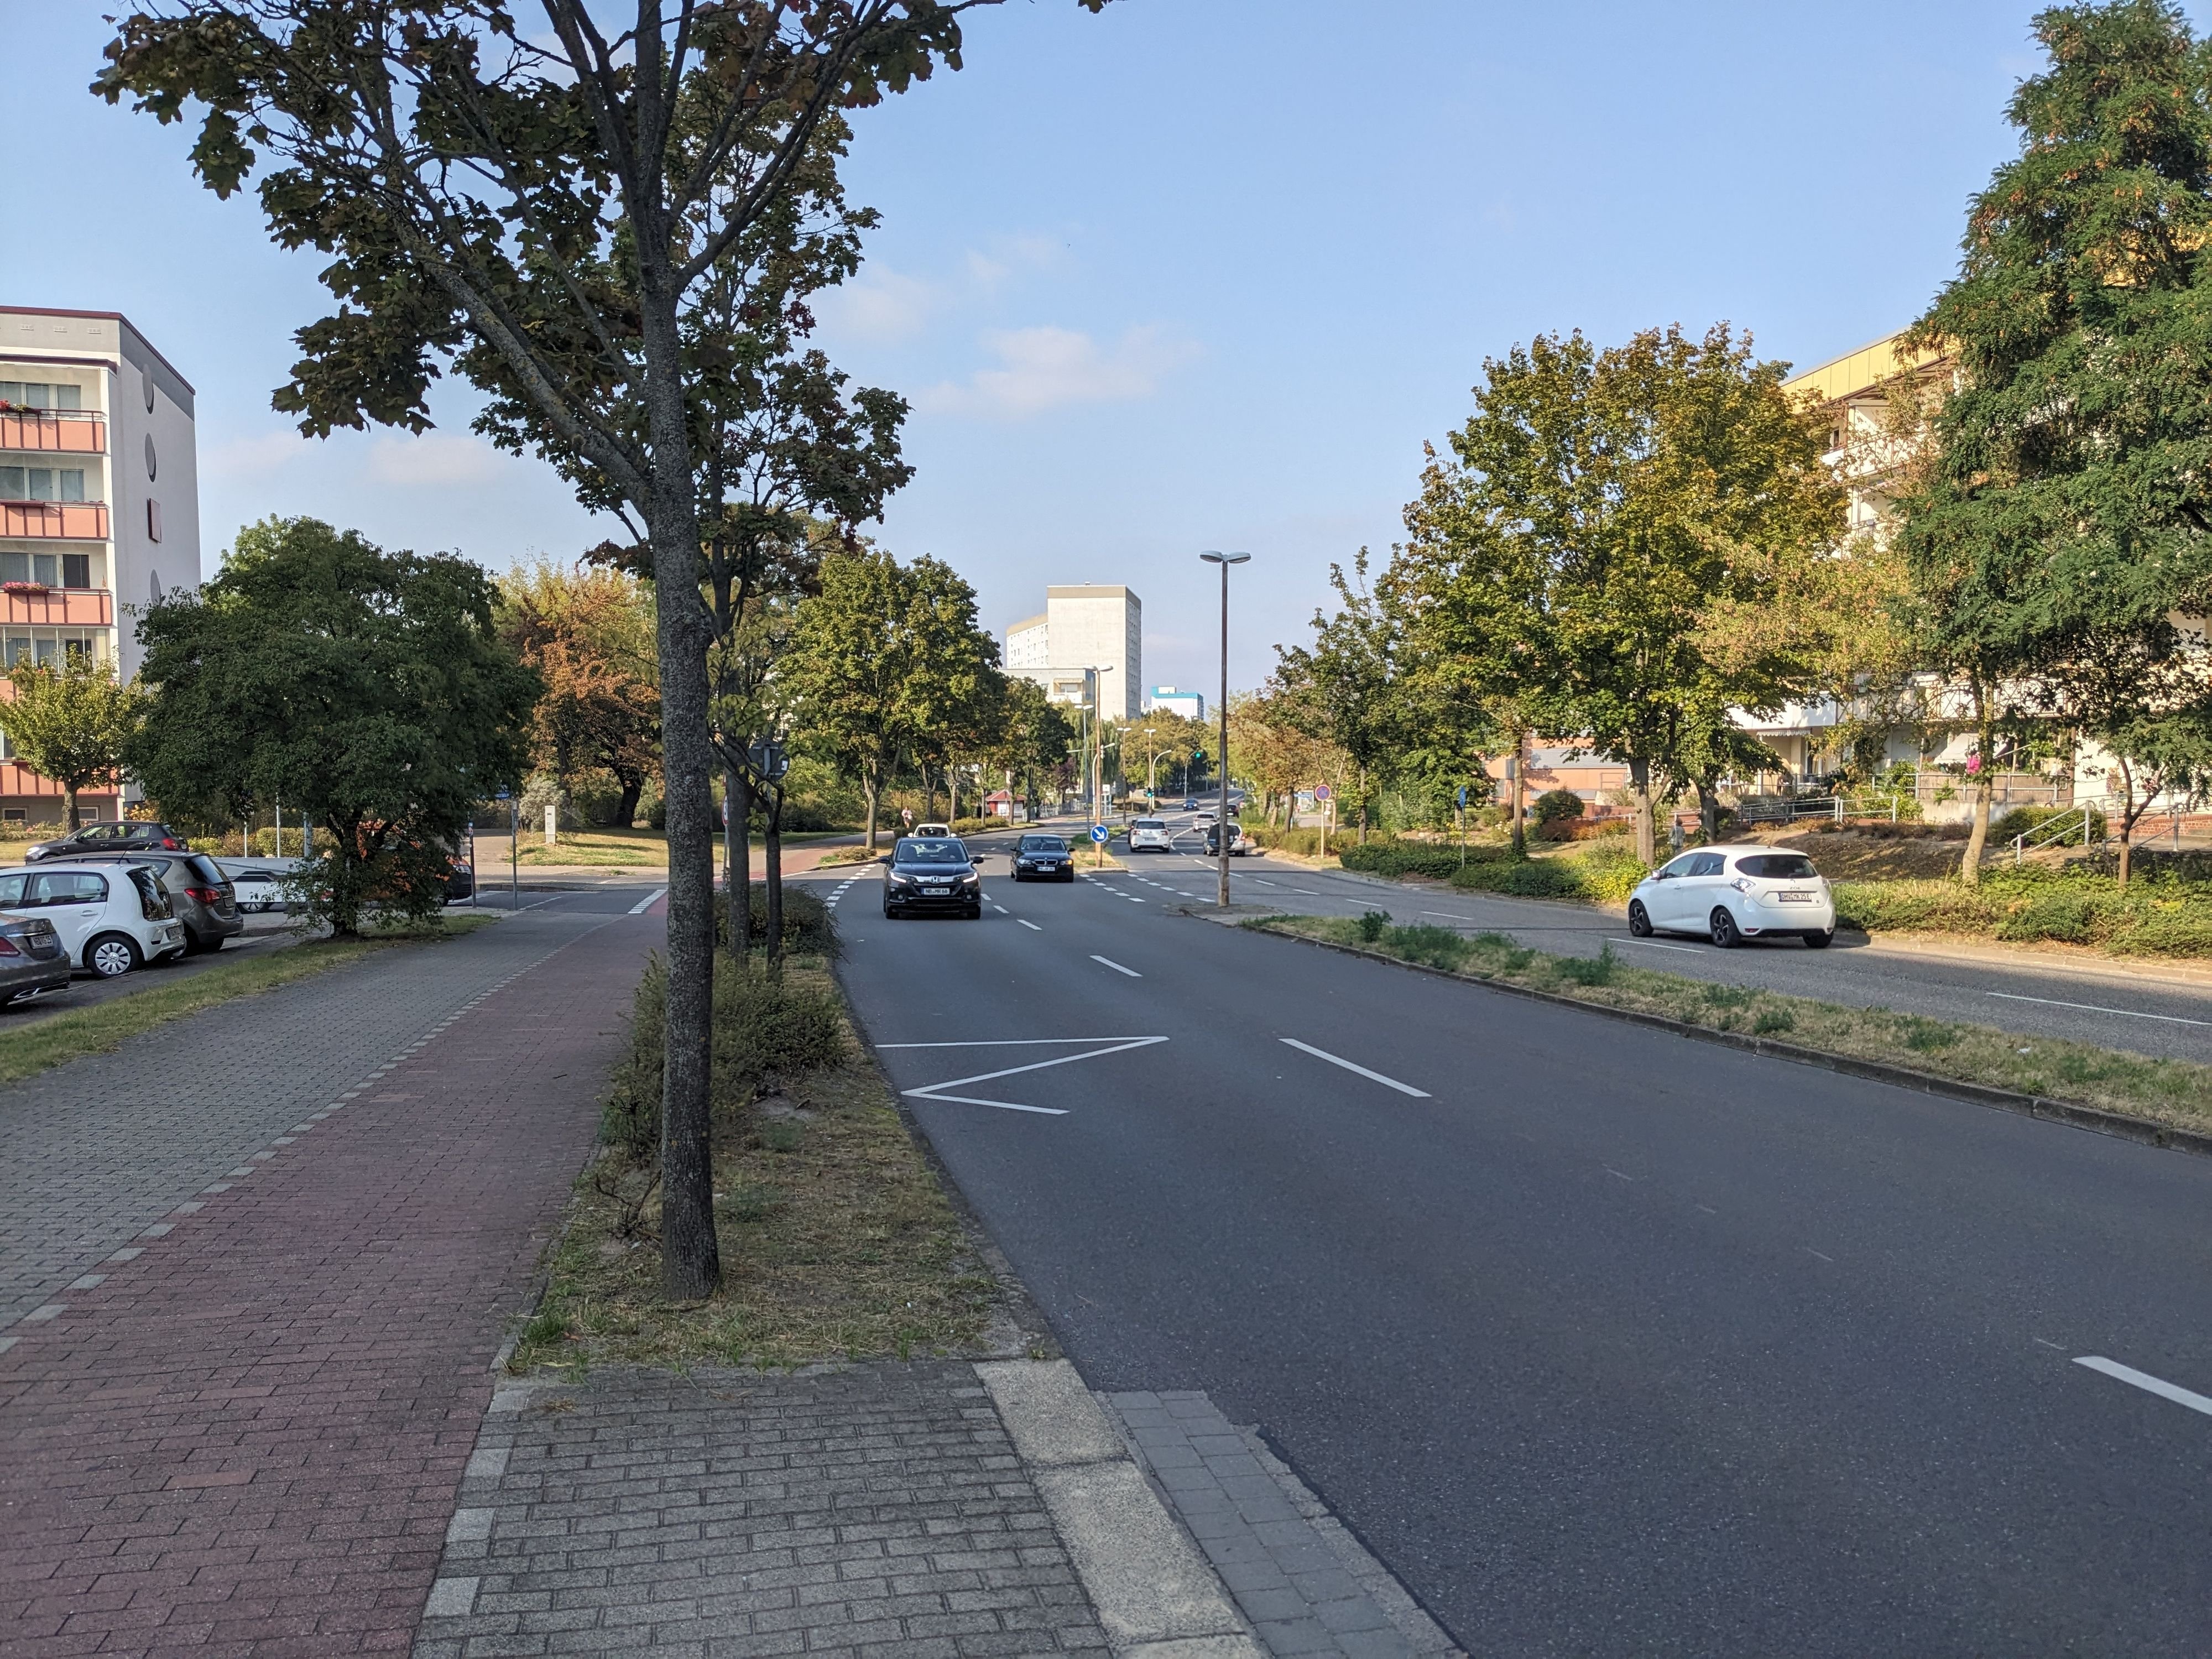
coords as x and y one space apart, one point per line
935 892
1797 898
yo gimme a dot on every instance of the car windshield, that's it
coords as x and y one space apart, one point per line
1779 866
1043 844
930 852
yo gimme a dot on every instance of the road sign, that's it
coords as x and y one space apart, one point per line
1098 833
501 796
1462 798
1320 792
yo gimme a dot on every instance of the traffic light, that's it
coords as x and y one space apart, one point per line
1197 756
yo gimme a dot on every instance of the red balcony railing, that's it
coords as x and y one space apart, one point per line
17 779
26 605
75 521
64 431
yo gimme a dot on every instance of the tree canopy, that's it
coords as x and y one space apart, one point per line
75 723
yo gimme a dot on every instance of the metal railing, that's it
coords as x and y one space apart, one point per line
2058 831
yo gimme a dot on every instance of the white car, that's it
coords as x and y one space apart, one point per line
1148 835
1730 894
112 917
928 831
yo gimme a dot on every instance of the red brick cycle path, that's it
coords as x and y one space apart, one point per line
248 1439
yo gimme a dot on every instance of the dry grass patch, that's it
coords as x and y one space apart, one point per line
2174 1092
837 1242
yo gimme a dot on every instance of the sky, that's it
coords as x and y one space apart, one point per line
1188 274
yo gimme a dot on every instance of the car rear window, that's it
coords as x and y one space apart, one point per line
206 869
1043 844
1779 866
1151 823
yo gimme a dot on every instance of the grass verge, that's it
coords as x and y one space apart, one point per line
837 1242
2176 1093
106 1026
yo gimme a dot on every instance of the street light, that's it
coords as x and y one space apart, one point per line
1221 823
1097 739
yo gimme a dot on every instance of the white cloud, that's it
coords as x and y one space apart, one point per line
254 458
1045 367
434 458
881 305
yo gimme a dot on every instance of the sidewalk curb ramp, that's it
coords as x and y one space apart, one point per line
2140 1130
1155 1594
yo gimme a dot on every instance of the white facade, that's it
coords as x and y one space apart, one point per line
99 501
1190 705
1088 632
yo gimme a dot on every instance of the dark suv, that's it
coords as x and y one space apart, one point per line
202 895
937 874
127 837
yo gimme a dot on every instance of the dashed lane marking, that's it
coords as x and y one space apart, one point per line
1117 967
2143 1380
1027 923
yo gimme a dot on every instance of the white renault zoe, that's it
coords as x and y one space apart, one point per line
1731 894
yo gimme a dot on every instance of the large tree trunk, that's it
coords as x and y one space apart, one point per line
1970 866
872 788
772 871
633 789
68 807
1639 780
1516 786
1709 814
737 857
691 1255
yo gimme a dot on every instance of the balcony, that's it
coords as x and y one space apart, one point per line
69 432
25 605
74 521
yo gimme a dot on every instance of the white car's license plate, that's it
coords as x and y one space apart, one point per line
1797 898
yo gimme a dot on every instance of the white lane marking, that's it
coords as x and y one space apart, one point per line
1027 923
2093 1008
1000 908
1654 944
936 1091
1117 967
1610 1170
1307 891
1264 882
2146 1381
648 901
1830 1260
2049 1345
1349 1065
1015 1042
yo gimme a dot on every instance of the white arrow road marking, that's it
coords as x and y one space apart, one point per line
936 1091
2145 1381
1377 1077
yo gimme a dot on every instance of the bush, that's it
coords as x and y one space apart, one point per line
2027 820
1604 873
1304 842
807 929
767 1025
1557 804
1388 856
1371 925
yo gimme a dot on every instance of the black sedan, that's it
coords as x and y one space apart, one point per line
1043 858
130 836
935 874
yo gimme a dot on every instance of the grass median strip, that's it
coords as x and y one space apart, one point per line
837 1242
2173 1092
106 1026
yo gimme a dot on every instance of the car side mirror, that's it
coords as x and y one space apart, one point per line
1663 875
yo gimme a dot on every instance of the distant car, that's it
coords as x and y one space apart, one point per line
938 832
1043 858
1237 848
32 959
1189 805
200 892
1149 835
460 881
112 917
258 889
932 874
127 837
1730 894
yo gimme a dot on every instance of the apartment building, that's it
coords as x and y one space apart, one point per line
99 507
1089 631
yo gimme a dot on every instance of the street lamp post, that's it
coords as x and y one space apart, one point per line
1097 744
1221 823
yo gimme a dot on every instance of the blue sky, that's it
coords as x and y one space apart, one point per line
1189 274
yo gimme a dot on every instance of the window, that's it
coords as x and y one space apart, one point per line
44 569
1681 867
11 887
41 483
67 887
153 521
76 570
12 814
1779 866
33 394
50 648
1706 863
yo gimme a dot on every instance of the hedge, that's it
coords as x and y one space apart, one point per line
2155 916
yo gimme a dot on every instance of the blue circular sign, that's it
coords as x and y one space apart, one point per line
1098 833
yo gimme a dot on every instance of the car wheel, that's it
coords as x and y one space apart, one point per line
1639 919
193 944
1819 941
111 956
1724 929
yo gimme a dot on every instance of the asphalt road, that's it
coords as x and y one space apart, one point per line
1605 1341
2148 1008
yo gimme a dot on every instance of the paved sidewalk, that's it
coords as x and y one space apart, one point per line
243 1432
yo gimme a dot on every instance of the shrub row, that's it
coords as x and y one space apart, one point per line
2152 917
807 930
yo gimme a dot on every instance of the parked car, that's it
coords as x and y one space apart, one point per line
112 917
127 837
460 881
1149 835
200 892
1043 858
258 888
1730 894
935 874
1237 848
32 960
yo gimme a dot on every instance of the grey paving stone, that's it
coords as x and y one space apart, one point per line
877 1509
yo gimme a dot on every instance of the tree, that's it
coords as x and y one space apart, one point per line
75 724
2063 520
588 634
1036 736
543 209
1349 691
370 688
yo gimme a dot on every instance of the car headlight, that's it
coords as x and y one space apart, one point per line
898 880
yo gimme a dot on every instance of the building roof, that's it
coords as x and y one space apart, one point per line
1862 370
1089 591
105 316
1027 623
